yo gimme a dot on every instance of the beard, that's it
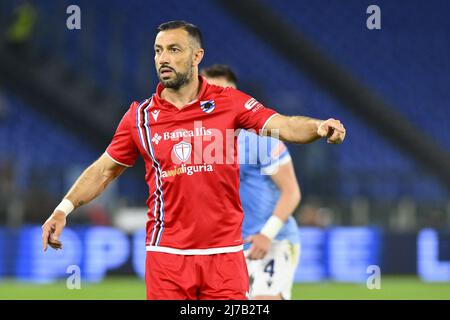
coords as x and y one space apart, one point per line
176 83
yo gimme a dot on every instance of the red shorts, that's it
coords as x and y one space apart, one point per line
221 276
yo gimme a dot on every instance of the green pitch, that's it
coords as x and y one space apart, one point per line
121 288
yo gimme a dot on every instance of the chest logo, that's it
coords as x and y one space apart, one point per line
207 106
155 114
156 138
182 150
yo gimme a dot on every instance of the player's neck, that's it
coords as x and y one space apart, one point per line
184 95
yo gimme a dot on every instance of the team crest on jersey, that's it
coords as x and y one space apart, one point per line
182 150
207 106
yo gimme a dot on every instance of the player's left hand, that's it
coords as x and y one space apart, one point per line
333 130
260 246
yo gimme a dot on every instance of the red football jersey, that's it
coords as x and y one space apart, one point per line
192 168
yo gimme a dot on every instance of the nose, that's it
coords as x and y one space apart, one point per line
163 58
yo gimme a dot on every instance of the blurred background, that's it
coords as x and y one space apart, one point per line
381 198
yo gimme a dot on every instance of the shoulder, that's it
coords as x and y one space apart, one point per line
272 149
237 99
135 105
229 92
235 93
262 140
213 91
278 148
129 114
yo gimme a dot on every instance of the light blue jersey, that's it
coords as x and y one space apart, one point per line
259 157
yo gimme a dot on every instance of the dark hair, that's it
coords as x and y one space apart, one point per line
220 71
193 30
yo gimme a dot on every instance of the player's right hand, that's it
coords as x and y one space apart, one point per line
333 130
51 230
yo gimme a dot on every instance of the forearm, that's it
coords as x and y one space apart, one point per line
289 198
287 203
91 183
299 129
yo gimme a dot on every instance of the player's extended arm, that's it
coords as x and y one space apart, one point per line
298 129
289 199
88 186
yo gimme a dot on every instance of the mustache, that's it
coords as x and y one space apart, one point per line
166 67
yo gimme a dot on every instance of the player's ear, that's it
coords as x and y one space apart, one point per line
198 56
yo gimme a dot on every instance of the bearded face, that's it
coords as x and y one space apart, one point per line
174 58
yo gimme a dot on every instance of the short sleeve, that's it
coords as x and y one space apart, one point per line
250 114
122 148
273 153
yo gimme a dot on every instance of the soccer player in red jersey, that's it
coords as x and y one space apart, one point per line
186 134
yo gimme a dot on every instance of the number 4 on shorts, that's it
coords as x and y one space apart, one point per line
269 268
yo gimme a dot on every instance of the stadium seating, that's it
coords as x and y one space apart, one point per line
117 53
45 155
405 61
31 141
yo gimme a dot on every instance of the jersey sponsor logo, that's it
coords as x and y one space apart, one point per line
253 104
189 170
182 150
155 114
182 133
156 138
207 106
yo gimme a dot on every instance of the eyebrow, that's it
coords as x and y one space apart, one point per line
170 45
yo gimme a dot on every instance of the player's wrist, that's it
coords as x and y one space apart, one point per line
318 124
66 206
272 227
